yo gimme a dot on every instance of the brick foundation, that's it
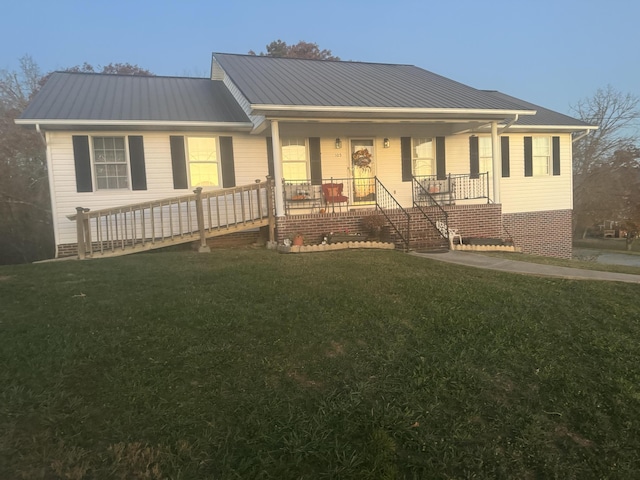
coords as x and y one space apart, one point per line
472 220
545 233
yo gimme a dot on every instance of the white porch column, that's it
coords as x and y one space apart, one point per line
497 162
277 168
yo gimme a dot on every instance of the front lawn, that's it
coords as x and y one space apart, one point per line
349 364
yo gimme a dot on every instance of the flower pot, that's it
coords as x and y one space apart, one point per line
298 240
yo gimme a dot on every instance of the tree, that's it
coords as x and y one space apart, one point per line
26 232
606 161
302 49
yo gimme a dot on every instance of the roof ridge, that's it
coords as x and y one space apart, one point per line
314 59
101 74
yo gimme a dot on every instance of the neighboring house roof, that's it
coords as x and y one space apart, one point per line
544 117
101 99
268 81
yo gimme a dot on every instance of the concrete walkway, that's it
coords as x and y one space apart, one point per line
503 265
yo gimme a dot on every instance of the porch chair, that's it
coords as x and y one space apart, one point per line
332 193
450 233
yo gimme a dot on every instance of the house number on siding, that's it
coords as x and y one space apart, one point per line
338 154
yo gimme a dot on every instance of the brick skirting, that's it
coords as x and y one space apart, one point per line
545 233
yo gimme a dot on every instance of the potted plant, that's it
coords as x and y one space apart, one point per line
373 224
297 239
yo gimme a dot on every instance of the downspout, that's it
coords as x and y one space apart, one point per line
580 137
497 165
42 137
511 122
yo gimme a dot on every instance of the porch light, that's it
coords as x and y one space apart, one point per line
385 143
338 143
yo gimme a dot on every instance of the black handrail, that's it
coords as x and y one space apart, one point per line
419 194
387 204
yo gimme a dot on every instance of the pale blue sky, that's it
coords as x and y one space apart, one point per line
548 52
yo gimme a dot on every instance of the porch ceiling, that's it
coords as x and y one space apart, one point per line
378 128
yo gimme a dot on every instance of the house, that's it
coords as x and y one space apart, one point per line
141 162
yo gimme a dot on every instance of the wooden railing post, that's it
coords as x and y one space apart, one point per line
82 232
270 187
204 248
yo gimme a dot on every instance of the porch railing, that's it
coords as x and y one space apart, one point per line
437 216
396 216
445 191
147 225
308 195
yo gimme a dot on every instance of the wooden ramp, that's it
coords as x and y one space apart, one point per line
171 221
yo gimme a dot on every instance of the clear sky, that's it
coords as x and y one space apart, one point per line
549 52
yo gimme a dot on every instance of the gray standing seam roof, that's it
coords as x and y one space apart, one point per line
290 81
543 117
90 96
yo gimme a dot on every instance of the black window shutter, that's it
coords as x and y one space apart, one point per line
178 162
228 166
405 155
504 151
315 164
556 155
441 165
528 157
82 161
270 157
136 159
474 157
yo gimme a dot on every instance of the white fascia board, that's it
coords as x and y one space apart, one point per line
345 109
567 128
131 123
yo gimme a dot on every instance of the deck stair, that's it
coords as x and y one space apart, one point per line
161 223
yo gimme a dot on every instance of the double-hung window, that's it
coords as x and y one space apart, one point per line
485 154
422 156
204 166
295 164
110 163
541 157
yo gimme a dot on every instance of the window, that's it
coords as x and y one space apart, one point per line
485 154
541 155
294 159
110 162
422 150
202 154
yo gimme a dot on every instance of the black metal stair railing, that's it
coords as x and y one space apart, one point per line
398 217
437 216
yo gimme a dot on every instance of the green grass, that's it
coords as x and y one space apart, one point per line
351 364
616 244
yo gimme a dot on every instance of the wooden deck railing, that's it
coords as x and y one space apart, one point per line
157 223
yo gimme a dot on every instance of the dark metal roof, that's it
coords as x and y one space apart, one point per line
90 96
543 117
298 82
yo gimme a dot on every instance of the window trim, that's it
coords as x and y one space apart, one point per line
549 156
307 157
432 158
488 160
94 164
218 161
